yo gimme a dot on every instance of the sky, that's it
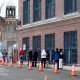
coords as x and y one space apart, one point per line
7 2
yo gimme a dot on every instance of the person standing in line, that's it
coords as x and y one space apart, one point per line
21 55
30 56
10 57
5 55
43 57
34 58
61 59
56 57
47 57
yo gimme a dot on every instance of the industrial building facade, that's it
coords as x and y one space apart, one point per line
50 24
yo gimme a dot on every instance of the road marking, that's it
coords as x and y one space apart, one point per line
45 78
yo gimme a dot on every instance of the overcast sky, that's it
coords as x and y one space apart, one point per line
7 2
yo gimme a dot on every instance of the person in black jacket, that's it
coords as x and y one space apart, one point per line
34 58
30 53
47 57
4 55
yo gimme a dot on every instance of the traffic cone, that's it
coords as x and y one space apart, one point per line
20 65
40 67
30 66
2 61
11 63
73 72
55 68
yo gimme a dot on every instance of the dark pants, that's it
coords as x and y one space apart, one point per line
4 58
43 62
21 59
34 62
29 60
56 62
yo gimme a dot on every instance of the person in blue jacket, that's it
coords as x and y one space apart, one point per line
56 57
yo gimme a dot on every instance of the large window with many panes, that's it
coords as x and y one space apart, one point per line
36 10
25 46
50 44
37 45
70 6
26 11
70 47
49 9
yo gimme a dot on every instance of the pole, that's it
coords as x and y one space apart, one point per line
12 37
16 38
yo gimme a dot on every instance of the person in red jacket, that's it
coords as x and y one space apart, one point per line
21 55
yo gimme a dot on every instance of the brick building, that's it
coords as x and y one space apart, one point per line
50 24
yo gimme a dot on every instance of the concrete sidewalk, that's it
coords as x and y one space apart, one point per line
65 67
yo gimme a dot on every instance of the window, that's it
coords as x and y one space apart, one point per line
70 47
49 9
10 44
25 41
25 46
70 6
36 10
37 45
26 11
36 42
50 44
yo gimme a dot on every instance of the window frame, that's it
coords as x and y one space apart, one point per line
51 6
37 9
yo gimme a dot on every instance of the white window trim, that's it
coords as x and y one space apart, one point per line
55 19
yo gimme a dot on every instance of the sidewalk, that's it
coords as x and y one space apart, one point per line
70 68
65 67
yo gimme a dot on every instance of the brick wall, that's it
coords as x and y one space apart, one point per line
58 27
21 11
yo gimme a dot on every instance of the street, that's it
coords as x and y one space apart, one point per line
15 73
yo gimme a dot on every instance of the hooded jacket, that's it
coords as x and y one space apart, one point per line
43 54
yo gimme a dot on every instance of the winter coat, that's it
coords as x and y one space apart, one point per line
30 55
21 53
43 54
61 55
4 53
56 56
35 55
48 55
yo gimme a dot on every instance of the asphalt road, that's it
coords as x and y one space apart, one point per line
15 73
